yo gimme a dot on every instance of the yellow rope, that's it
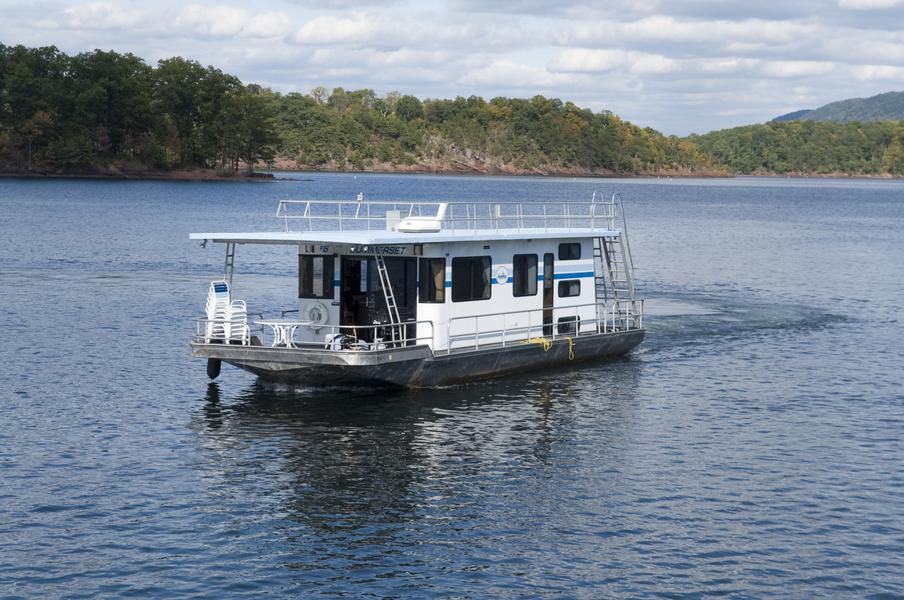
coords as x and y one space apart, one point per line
547 344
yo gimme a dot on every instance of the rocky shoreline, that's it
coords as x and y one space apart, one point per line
120 173
423 168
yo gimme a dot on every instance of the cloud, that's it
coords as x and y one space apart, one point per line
672 32
514 75
869 4
582 60
797 68
220 21
878 72
101 15
426 30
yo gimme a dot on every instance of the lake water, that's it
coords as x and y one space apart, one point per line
750 447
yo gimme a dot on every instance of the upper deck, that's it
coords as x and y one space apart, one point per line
369 222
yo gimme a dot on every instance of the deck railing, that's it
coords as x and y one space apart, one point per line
568 322
281 334
328 215
585 319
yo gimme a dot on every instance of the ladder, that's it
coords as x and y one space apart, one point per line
618 267
613 268
599 272
389 296
229 267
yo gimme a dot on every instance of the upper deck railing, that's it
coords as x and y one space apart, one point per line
449 217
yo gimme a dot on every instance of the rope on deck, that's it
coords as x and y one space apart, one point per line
547 344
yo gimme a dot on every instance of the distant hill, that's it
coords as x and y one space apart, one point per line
882 107
797 115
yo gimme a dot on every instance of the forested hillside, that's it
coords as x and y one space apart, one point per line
109 113
809 147
881 107
104 110
73 114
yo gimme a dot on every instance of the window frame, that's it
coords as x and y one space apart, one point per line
571 284
570 254
426 280
329 271
485 272
529 281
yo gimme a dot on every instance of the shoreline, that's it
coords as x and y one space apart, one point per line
214 176
118 175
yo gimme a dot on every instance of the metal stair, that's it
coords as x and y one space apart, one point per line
613 267
391 307
599 271
618 267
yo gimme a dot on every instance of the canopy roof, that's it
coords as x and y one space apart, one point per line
394 237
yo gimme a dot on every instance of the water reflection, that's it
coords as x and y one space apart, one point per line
354 464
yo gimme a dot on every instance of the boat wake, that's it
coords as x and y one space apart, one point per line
685 321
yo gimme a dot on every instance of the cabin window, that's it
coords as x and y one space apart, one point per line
470 278
433 280
315 276
570 251
524 276
569 288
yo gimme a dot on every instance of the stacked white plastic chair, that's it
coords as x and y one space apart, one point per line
227 319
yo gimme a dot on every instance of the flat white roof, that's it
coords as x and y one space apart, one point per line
395 237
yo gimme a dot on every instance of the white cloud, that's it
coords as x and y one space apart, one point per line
582 60
101 15
227 21
515 75
869 4
797 68
878 72
359 30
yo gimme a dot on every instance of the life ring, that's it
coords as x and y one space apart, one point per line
317 314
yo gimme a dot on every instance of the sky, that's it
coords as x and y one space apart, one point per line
679 66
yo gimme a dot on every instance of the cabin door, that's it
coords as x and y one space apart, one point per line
548 291
363 302
356 301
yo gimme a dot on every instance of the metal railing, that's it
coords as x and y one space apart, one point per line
353 335
330 215
569 322
587 319
222 331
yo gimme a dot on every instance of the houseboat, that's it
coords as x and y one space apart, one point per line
428 294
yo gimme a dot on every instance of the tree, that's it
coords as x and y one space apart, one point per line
177 91
35 127
409 108
256 131
319 94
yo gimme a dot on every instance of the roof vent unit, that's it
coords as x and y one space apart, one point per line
430 224
393 218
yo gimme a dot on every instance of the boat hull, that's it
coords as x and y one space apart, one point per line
414 366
